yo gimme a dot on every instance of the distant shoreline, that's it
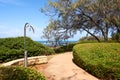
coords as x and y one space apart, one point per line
48 44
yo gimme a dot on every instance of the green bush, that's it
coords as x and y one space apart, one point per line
90 38
13 48
109 41
82 42
66 48
116 37
100 59
19 73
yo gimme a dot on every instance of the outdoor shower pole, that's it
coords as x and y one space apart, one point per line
25 51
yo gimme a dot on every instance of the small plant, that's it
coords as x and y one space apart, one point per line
19 73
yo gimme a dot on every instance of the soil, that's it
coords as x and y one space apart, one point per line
61 67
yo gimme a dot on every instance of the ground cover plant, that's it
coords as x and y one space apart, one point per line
13 48
19 73
100 59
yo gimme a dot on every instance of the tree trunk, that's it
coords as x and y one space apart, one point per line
105 37
106 33
92 35
117 26
118 29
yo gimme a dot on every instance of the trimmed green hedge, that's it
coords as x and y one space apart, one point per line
13 48
19 73
66 48
100 59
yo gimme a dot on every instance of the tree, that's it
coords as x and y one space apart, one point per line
54 34
88 15
109 12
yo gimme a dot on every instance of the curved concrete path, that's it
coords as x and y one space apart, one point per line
61 67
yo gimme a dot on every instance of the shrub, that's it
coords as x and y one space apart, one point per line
66 48
82 42
13 48
90 38
19 73
116 37
100 59
109 41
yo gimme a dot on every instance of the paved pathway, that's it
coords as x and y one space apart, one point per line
61 67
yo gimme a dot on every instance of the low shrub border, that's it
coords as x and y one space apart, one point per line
66 48
100 59
19 73
13 48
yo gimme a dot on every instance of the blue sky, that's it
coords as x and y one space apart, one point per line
15 13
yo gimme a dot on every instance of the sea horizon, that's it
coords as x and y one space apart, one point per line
45 42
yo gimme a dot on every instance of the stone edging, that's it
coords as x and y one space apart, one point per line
31 61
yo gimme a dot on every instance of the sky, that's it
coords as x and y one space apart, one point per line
15 13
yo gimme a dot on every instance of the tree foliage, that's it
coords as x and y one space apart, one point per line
96 17
55 34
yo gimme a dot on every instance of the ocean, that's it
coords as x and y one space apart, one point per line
49 44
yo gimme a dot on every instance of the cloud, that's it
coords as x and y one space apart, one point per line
9 32
14 2
36 35
15 32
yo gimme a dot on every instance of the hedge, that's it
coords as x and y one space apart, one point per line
19 73
13 48
65 48
100 59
